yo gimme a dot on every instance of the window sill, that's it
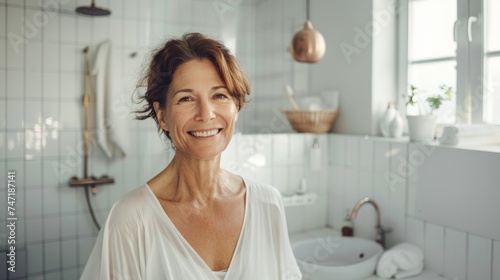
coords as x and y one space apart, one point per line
405 139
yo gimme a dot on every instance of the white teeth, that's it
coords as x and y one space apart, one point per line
205 133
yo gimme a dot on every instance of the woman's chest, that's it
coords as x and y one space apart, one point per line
213 233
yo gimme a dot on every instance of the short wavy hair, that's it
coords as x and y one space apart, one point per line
166 59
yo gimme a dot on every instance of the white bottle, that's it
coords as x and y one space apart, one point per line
347 225
315 156
302 186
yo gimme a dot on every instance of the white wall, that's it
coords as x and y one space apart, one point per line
350 74
360 61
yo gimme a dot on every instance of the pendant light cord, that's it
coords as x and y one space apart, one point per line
307 10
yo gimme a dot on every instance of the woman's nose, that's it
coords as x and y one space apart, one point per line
205 111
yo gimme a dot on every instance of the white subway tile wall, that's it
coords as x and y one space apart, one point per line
455 254
479 253
496 260
434 247
41 86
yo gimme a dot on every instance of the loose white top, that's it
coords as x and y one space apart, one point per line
139 241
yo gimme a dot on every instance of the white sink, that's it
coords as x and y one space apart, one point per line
343 258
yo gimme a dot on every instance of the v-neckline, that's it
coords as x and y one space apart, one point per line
170 224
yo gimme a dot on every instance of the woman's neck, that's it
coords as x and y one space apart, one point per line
195 181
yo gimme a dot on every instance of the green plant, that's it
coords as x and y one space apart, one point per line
434 101
412 96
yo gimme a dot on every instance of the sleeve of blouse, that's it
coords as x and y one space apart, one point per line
290 266
118 252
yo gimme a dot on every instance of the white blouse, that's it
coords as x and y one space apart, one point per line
139 241
220 274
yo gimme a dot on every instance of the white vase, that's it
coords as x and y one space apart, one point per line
391 124
421 128
396 126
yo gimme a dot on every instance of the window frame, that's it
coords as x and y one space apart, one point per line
470 59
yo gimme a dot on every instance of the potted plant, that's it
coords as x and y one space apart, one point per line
421 127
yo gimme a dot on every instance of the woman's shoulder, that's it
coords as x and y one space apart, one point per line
263 191
132 207
134 199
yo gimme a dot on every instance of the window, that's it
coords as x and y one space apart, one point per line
453 43
492 63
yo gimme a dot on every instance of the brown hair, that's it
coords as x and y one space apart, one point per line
166 60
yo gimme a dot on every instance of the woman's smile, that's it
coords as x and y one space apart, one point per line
206 133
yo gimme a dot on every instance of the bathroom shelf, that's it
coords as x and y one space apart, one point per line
299 199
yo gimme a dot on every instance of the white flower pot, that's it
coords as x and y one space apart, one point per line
421 128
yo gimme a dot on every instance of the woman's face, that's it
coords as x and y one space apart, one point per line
200 113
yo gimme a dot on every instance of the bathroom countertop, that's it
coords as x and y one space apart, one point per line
425 275
323 232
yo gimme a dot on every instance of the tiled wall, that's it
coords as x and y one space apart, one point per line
41 86
278 21
283 160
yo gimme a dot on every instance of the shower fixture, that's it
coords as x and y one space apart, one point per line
89 182
92 10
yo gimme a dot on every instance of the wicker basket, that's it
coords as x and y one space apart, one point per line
311 121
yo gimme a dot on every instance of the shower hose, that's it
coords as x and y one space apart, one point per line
87 195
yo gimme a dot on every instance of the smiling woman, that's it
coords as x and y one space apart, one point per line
193 46
195 220
200 113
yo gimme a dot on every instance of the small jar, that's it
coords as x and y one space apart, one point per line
347 229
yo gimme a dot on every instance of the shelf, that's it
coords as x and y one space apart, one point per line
299 199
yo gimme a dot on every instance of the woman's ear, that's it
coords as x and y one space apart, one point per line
160 115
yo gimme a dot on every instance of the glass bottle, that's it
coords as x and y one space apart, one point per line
347 229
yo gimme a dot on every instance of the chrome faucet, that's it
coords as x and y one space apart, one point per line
380 231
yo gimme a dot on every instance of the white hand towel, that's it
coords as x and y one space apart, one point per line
407 256
409 273
476 129
470 135
386 268
449 136
108 131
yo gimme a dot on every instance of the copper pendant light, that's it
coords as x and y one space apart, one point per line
308 45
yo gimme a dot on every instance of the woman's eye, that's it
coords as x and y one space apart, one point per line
184 99
220 96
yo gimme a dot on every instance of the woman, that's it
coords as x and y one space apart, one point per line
195 220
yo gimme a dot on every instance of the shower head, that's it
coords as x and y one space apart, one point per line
92 10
